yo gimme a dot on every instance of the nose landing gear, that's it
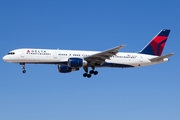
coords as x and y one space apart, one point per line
23 67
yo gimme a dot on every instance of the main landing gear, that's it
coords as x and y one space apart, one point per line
90 73
23 67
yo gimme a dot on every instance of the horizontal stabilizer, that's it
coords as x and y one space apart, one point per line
162 57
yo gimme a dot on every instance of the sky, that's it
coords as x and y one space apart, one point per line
143 93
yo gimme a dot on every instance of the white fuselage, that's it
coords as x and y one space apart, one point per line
49 56
71 60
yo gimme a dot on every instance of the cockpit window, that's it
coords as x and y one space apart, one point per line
11 53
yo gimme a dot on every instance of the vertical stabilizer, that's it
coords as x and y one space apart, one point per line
156 46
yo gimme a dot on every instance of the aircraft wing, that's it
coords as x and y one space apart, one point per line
162 57
100 58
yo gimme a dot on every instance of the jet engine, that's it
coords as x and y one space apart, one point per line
76 62
66 69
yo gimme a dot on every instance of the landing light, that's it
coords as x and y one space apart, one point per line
165 59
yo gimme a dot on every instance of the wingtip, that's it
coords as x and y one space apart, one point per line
122 45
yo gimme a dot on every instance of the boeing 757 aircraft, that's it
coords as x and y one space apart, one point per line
72 60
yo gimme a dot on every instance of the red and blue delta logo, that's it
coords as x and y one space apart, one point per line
37 52
156 46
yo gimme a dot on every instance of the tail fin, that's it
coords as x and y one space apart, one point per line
156 46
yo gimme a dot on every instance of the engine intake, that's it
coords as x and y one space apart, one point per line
76 62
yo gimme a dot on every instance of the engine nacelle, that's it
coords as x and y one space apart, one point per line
76 62
66 69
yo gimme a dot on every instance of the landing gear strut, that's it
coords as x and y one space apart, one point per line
23 67
91 72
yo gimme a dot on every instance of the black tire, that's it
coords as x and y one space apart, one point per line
95 72
89 75
24 71
91 72
85 75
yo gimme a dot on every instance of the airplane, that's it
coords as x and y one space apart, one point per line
72 60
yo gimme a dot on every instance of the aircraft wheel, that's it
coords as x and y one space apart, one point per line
91 72
95 72
85 75
89 75
24 71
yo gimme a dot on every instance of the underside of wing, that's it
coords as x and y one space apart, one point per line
100 58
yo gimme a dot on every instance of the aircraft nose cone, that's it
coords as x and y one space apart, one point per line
5 58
